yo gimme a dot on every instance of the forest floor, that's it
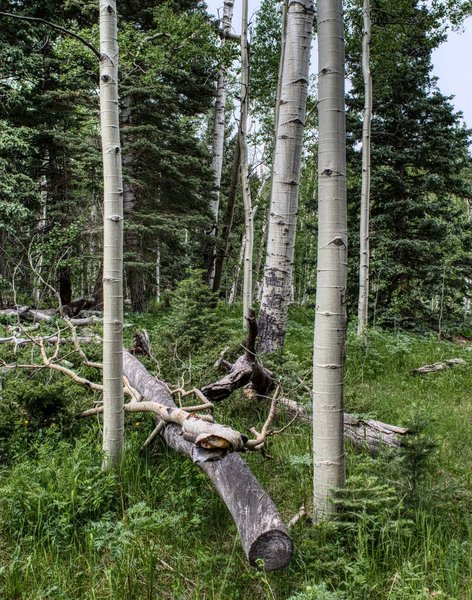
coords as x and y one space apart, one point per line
159 531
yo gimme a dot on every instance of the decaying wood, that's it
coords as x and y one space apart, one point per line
141 344
439 366
362 433
246 370
50 339
262 532
201 430
249 371
25 313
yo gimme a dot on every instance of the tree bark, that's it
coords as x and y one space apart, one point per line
222 253
286 177
330 318
246 369
364 267
262 532
219 131
113 400
248 214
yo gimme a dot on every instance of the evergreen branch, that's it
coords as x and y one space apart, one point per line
89 45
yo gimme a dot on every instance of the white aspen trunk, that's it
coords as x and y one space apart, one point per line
363 306
219 128
248 213
41 227
113 415
330 318
286 177
234 287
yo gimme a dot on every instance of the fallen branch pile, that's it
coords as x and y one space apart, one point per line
248 372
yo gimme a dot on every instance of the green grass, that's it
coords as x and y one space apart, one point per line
158 530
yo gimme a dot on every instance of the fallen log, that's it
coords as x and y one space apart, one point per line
262 532
50 339
362 433
26 313
439 366
246 370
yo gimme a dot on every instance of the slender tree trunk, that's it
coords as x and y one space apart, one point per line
134 274
286 177
65 285
363 307
228 218
330 319
158 273
113 417
260 256
41 227
248 214
219 131
234 287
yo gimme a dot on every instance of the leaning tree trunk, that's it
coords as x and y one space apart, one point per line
228 218
219 130
330 319
113 417
262 532
248 214
286 176
363 306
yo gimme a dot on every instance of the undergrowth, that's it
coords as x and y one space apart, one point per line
158 530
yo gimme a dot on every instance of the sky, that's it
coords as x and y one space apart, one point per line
450 61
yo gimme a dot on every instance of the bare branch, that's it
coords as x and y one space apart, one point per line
56 27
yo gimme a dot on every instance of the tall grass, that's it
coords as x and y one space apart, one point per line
158 530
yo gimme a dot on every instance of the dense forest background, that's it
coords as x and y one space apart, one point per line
157 529
50 194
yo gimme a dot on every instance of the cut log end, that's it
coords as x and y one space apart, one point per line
274 548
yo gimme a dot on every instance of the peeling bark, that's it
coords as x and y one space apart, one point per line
291 111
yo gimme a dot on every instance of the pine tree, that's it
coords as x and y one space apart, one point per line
419 224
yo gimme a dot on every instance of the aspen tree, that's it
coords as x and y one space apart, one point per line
291 112
330 318
219 127
246 190
113 415
364 267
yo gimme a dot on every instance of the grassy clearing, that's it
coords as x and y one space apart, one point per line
158 530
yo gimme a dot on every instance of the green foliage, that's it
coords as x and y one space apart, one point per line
51 496
420 228
192 320
318 592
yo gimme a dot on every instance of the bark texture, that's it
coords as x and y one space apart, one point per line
245 370
219 129
262 532
113 417
291 111
330 318
246 189
364 250
228 219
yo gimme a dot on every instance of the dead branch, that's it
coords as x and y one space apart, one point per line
246 370
439 366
